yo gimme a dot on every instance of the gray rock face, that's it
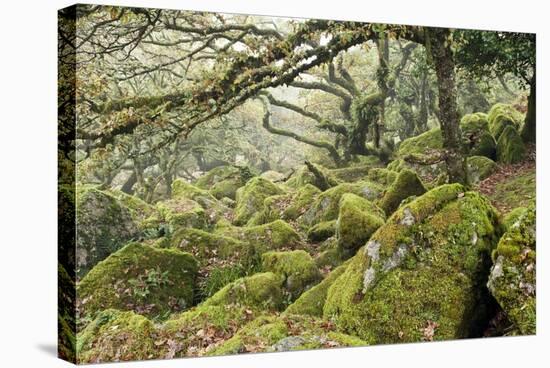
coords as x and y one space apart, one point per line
103 225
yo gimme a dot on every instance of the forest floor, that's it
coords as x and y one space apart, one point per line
513 185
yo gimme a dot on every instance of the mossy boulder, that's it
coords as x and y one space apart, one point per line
421 144
213 209
331 255
358 219
181 212
326 205
196 331
421 276
476 137
502 116
285 333
250 198
223 181
104 225
312 301
304 176
479 168
321 231
405 185
263 291
271 236
273 176
206 246
351 174
115 336
297 268
141 278
510 146
512 217
382 176
139 209
513 276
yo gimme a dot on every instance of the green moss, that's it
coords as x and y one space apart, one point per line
139 209
182 212
274 235
140 278
502 116
285 333
261 291
101 340
352 174
297 268
251 198
425 265
194 331
479 168
322 231
104 225
405 185
326 205
205 245
513 217
304 176
476 137
510 146
273 176
382 176
312 301
513 276
213 209
300 202
217 175
430 140
515 190
358 219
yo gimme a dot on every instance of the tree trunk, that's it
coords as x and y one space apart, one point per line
529 131
442 55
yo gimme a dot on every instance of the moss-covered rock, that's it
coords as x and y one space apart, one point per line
510 146
250 198
331 255
263 291
513 276
104 225
322 231
326 205
421 275
297 268
148 280
476 137
382 176
181 212
223 181
405 185
312 301
273 176
139 209
501 116
285 333
213 209
272 236
300 202
512 217
115 336
420 144
358 219
351 174
205 246
196 331
304 176
479 168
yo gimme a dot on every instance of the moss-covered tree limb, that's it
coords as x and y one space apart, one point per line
266 123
